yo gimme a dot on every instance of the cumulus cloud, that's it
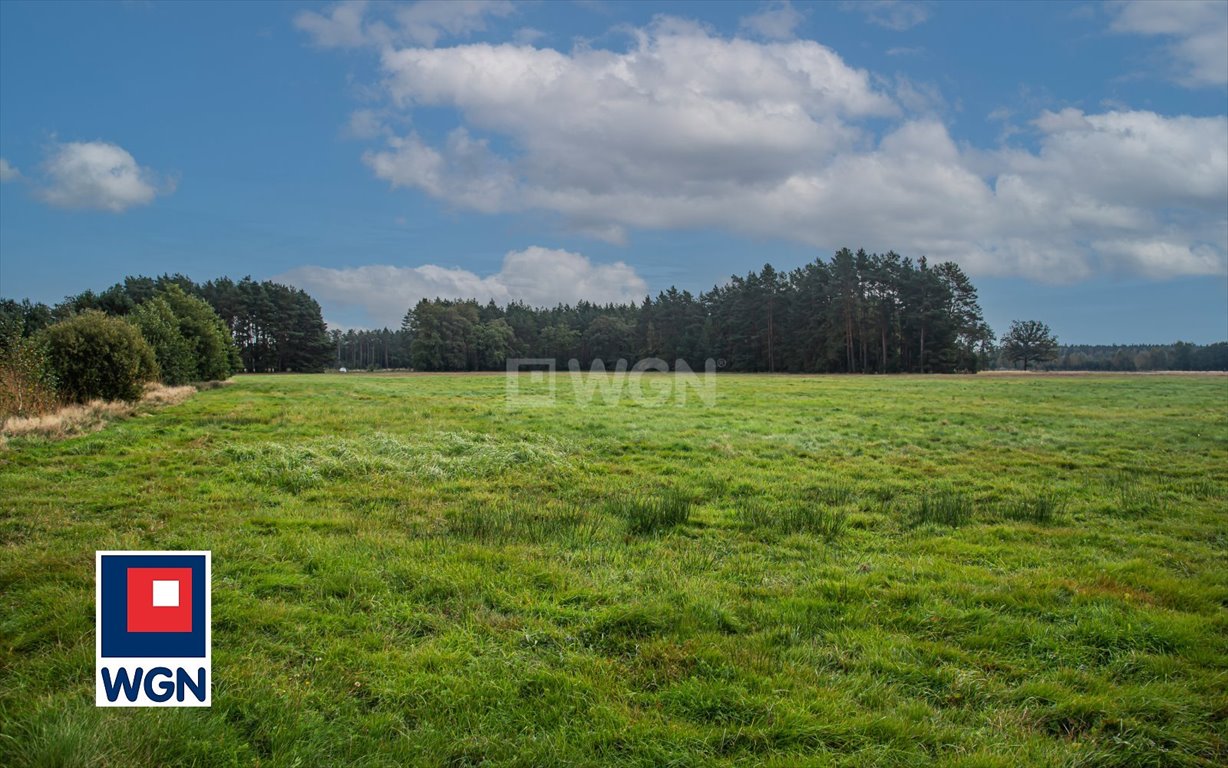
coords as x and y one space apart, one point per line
1197 29
98 175
354 23
898 15
783 139
681 115
8 172
776 21
537 276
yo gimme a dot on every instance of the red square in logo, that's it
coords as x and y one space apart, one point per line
159 599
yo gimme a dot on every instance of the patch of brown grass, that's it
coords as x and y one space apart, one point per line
92 416
67 421
160 394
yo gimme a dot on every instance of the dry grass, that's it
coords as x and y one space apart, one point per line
68 421
160 394
92 416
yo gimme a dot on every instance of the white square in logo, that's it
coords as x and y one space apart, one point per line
166 594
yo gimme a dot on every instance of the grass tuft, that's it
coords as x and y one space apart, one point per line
793 517
505 522
1040 508
942 507
651 512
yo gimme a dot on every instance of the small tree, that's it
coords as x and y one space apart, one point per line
175 354
94 355
1029 341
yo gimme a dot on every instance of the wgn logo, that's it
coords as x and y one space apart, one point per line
152 623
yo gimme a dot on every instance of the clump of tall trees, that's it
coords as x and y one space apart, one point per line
108 345
262 326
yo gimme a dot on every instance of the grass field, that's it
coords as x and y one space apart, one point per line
975 571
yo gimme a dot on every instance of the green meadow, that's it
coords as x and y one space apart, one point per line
812 571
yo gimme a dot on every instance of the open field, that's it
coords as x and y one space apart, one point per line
974 571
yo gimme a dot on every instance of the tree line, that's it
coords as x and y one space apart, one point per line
857 313
1181 356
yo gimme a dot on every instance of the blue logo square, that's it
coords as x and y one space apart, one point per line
117 641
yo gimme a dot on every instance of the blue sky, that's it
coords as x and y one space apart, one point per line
1072 157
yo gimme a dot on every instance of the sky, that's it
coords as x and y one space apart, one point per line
1071 157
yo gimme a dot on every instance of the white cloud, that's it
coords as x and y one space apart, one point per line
537 276
685 129
8 172
1198 30
681 113
365 124
99 175
347 24
898 15
342 27
427 21
776 21
1159 258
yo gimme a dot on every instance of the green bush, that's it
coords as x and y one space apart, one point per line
176 355
97 356
204 332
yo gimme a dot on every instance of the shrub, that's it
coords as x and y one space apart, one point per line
207 336
96 356
646 514
27 385
175 354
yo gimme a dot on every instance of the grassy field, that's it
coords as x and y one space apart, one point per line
974 571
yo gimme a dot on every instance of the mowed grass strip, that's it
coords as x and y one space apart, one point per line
819 571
